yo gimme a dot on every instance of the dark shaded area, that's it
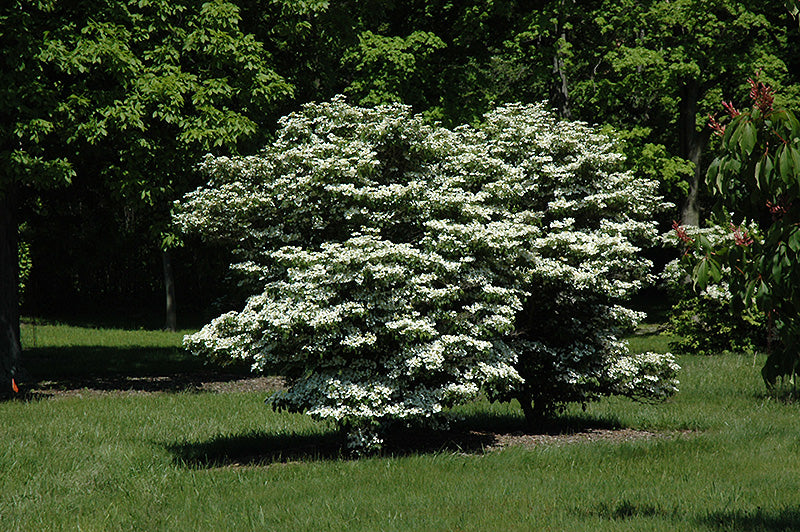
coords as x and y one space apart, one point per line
785 393
627 509
656 301
262 448
786 519
53 370
469 435
259 448
512 423
119 283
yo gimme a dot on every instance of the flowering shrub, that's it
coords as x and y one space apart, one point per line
703 321
399 267
757 176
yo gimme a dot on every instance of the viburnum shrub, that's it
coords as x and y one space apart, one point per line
757 177
398 267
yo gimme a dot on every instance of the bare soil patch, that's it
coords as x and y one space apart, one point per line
214 382
588 435
231 454
483 441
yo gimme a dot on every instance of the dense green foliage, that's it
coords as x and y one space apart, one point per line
626 64
705 325
757 176
138 92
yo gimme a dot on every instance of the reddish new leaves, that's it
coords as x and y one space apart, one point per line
713 123
733 111
777 209
679 229
740 236
762 95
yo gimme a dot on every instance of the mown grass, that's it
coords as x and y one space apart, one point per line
729 459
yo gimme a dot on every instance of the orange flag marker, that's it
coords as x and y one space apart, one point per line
14 386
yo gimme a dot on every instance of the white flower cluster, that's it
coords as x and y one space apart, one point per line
405 267
675 273
645 375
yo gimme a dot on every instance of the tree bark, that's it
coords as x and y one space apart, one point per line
560 88
169 292
10 348
534 410
691 144
527 409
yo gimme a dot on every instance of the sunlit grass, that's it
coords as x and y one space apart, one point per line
656 342
35 335
728 458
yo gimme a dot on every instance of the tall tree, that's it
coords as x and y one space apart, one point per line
125 97
26 156
148 88
664 65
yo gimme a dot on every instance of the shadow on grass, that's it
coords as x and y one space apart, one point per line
752 521
469 435
258 448
621 510
730 520
788 394
54 370
514 422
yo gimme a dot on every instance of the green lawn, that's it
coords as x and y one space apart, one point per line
729 458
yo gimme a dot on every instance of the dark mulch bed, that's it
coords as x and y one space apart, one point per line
263 449
215 382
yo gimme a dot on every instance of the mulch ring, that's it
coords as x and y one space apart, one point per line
587 435
481 441
146 385
466 442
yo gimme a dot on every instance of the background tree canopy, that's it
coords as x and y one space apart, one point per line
123 97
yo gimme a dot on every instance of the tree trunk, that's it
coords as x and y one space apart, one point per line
10 349
169 290
534 410
527 409
692 144
560 89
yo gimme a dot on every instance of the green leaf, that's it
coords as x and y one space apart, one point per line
747 139
732 133
795 159
777 269
785 166
714 176
714 270
757 173
750 291
762 296
794 240
701 274
769 167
